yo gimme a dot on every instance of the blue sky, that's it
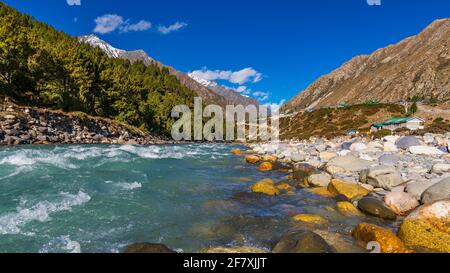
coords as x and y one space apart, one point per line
270 49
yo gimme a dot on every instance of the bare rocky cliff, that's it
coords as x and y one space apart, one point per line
417 66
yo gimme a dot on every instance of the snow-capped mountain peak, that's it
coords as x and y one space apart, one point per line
95 41
202 81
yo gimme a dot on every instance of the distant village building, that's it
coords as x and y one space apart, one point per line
411 123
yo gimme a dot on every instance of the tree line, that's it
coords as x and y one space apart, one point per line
43 67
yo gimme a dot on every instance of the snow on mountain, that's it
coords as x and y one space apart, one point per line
95 41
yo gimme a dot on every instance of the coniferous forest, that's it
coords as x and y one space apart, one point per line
40 66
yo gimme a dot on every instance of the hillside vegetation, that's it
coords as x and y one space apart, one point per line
40 66
330 122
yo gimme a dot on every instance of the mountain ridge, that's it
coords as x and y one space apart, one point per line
416 66
211 92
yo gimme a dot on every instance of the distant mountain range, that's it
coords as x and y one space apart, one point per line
418 66
211 92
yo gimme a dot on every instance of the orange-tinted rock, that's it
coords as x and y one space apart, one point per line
387 240
265 167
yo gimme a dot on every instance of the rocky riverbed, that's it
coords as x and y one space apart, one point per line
404 180
24 125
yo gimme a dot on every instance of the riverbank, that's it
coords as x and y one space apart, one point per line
28 125
404 181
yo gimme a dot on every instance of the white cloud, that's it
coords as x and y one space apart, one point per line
238 77
174 27
245 75
108 23
73 2
111 22
140 26
374 2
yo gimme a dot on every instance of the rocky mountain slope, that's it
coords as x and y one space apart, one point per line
232 97
211 94
417 66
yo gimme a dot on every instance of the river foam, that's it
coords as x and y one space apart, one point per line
11 223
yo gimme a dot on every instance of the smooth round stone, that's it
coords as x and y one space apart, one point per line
407 142
401 202
303 242
376 207
389 160
437 192
148 248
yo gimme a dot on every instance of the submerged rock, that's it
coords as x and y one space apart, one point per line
428 227
309 218
301 172
322 191
252 159
376 207
388 241
303 242
266 186
265 167
233 250
348 209
236 152
148 248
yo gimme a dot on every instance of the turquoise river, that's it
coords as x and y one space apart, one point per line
189 197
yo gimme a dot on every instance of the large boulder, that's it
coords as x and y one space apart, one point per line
401 202
425 150
348 164
376 207
389 160
148 248
416 189
348 209
233 152
327 156
390 147
265 167
440 168
319 180
252 159
303 242
358 147
267 187
346 145
385 177
407 142
301 172
349 190
269 158
428 227
388 241
391 139
438 191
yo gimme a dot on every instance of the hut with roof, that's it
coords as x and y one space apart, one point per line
411 123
